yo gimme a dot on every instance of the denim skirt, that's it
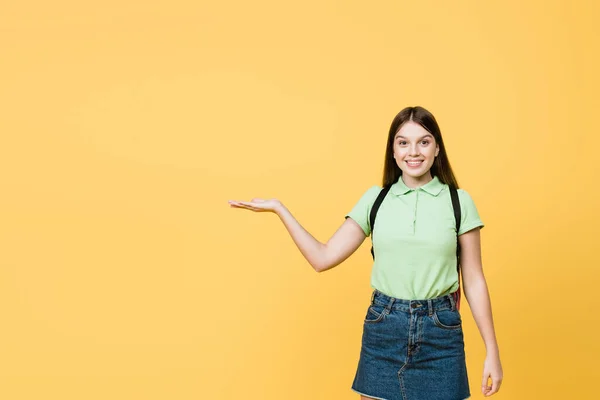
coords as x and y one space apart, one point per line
412 350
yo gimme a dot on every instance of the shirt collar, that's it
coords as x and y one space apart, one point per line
433 187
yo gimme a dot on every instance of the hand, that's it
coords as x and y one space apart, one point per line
258 205
492 369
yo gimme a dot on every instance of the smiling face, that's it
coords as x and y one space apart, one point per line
415 150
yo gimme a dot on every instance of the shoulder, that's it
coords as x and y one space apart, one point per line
464 197
367 200
371 193
469 214
361 211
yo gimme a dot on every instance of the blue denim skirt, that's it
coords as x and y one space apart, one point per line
412 350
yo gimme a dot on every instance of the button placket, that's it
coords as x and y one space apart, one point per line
414 221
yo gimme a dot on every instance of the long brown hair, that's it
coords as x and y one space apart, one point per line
441 165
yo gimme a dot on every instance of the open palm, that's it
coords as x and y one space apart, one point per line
257 205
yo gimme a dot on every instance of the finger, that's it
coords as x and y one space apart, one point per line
253 206
245 203
240 202
246 207
485 387
240 205
495 386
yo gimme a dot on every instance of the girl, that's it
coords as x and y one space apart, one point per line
412 343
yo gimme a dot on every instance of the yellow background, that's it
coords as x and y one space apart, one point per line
126 127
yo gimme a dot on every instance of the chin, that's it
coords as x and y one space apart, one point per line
416 174
413 175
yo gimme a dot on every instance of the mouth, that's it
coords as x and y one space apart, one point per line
415 163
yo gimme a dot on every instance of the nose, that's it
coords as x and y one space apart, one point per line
414 150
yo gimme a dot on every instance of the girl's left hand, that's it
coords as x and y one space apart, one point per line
492 369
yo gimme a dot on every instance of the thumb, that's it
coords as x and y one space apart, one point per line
484 384
258 200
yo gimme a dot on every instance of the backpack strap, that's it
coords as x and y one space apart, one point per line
457 218
374 209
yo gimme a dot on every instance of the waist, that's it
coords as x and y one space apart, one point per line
447 302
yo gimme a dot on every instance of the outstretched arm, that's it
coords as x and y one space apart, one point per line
321 256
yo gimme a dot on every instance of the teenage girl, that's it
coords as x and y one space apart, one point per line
412 342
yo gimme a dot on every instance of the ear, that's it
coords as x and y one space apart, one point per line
437 149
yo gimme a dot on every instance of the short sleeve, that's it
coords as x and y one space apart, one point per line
469 216
362 209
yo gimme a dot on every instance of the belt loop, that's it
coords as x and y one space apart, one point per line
390 304
430 307
452 301
373 296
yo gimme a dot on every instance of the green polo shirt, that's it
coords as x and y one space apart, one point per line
415 238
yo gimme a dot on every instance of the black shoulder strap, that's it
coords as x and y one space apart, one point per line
373 213
384 192
457 216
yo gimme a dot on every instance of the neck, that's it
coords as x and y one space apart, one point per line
413 182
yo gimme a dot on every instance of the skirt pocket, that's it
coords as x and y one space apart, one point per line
447 319
375 313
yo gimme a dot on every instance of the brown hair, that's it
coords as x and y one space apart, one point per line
441 166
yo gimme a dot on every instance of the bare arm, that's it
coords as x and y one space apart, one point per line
476 292
321 256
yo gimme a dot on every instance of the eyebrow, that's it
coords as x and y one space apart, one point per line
400 136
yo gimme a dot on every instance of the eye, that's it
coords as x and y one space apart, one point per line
402 142
425 142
